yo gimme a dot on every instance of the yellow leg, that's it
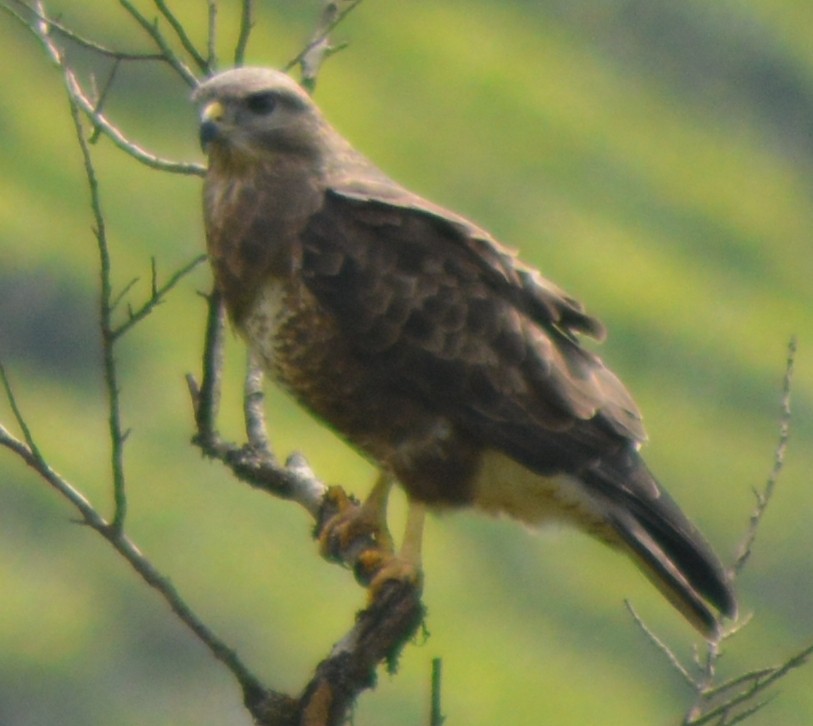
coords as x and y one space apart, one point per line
413 534
374 509
406 566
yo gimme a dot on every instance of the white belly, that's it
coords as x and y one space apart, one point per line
503 486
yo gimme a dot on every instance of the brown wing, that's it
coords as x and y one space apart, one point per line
443 312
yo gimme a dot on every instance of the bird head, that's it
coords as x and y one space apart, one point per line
258 112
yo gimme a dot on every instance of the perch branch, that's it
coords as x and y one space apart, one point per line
386 625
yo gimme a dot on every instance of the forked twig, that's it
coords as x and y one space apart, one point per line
152 30
156 297
318 48
183 37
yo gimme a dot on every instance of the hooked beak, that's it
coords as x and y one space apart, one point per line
210 123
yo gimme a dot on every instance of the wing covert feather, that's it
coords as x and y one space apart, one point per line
440 308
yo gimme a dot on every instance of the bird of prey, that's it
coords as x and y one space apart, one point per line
426 344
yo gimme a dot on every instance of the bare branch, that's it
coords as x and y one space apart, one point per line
764 497
40 29
206 399
157 295
255 466
33 458
183 37
318 48
795 661
18 417
380 632
246 24
661 646
80 40
123 293
396 613
124 546
250 684
754 684
151 28
105 323
748 712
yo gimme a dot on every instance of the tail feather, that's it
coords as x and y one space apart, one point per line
664 543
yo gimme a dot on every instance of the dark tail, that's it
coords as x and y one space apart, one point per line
664 543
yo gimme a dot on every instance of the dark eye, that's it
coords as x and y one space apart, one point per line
261 103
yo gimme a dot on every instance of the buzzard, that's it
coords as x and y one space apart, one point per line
426 344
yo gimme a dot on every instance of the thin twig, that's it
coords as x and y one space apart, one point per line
708 672
748 712
246 24
732 683
207 398
102 97
99 120
81 40
764 497
331 17
105 322
797 660
436 717
18 417
136 559
31 456
157 295
226 655
661 646
183 36
211 36
151 28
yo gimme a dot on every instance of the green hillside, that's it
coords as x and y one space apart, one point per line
653 158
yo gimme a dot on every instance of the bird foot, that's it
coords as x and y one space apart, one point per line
357 534
352 530
376 571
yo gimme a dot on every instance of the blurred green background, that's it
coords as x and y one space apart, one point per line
653 158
